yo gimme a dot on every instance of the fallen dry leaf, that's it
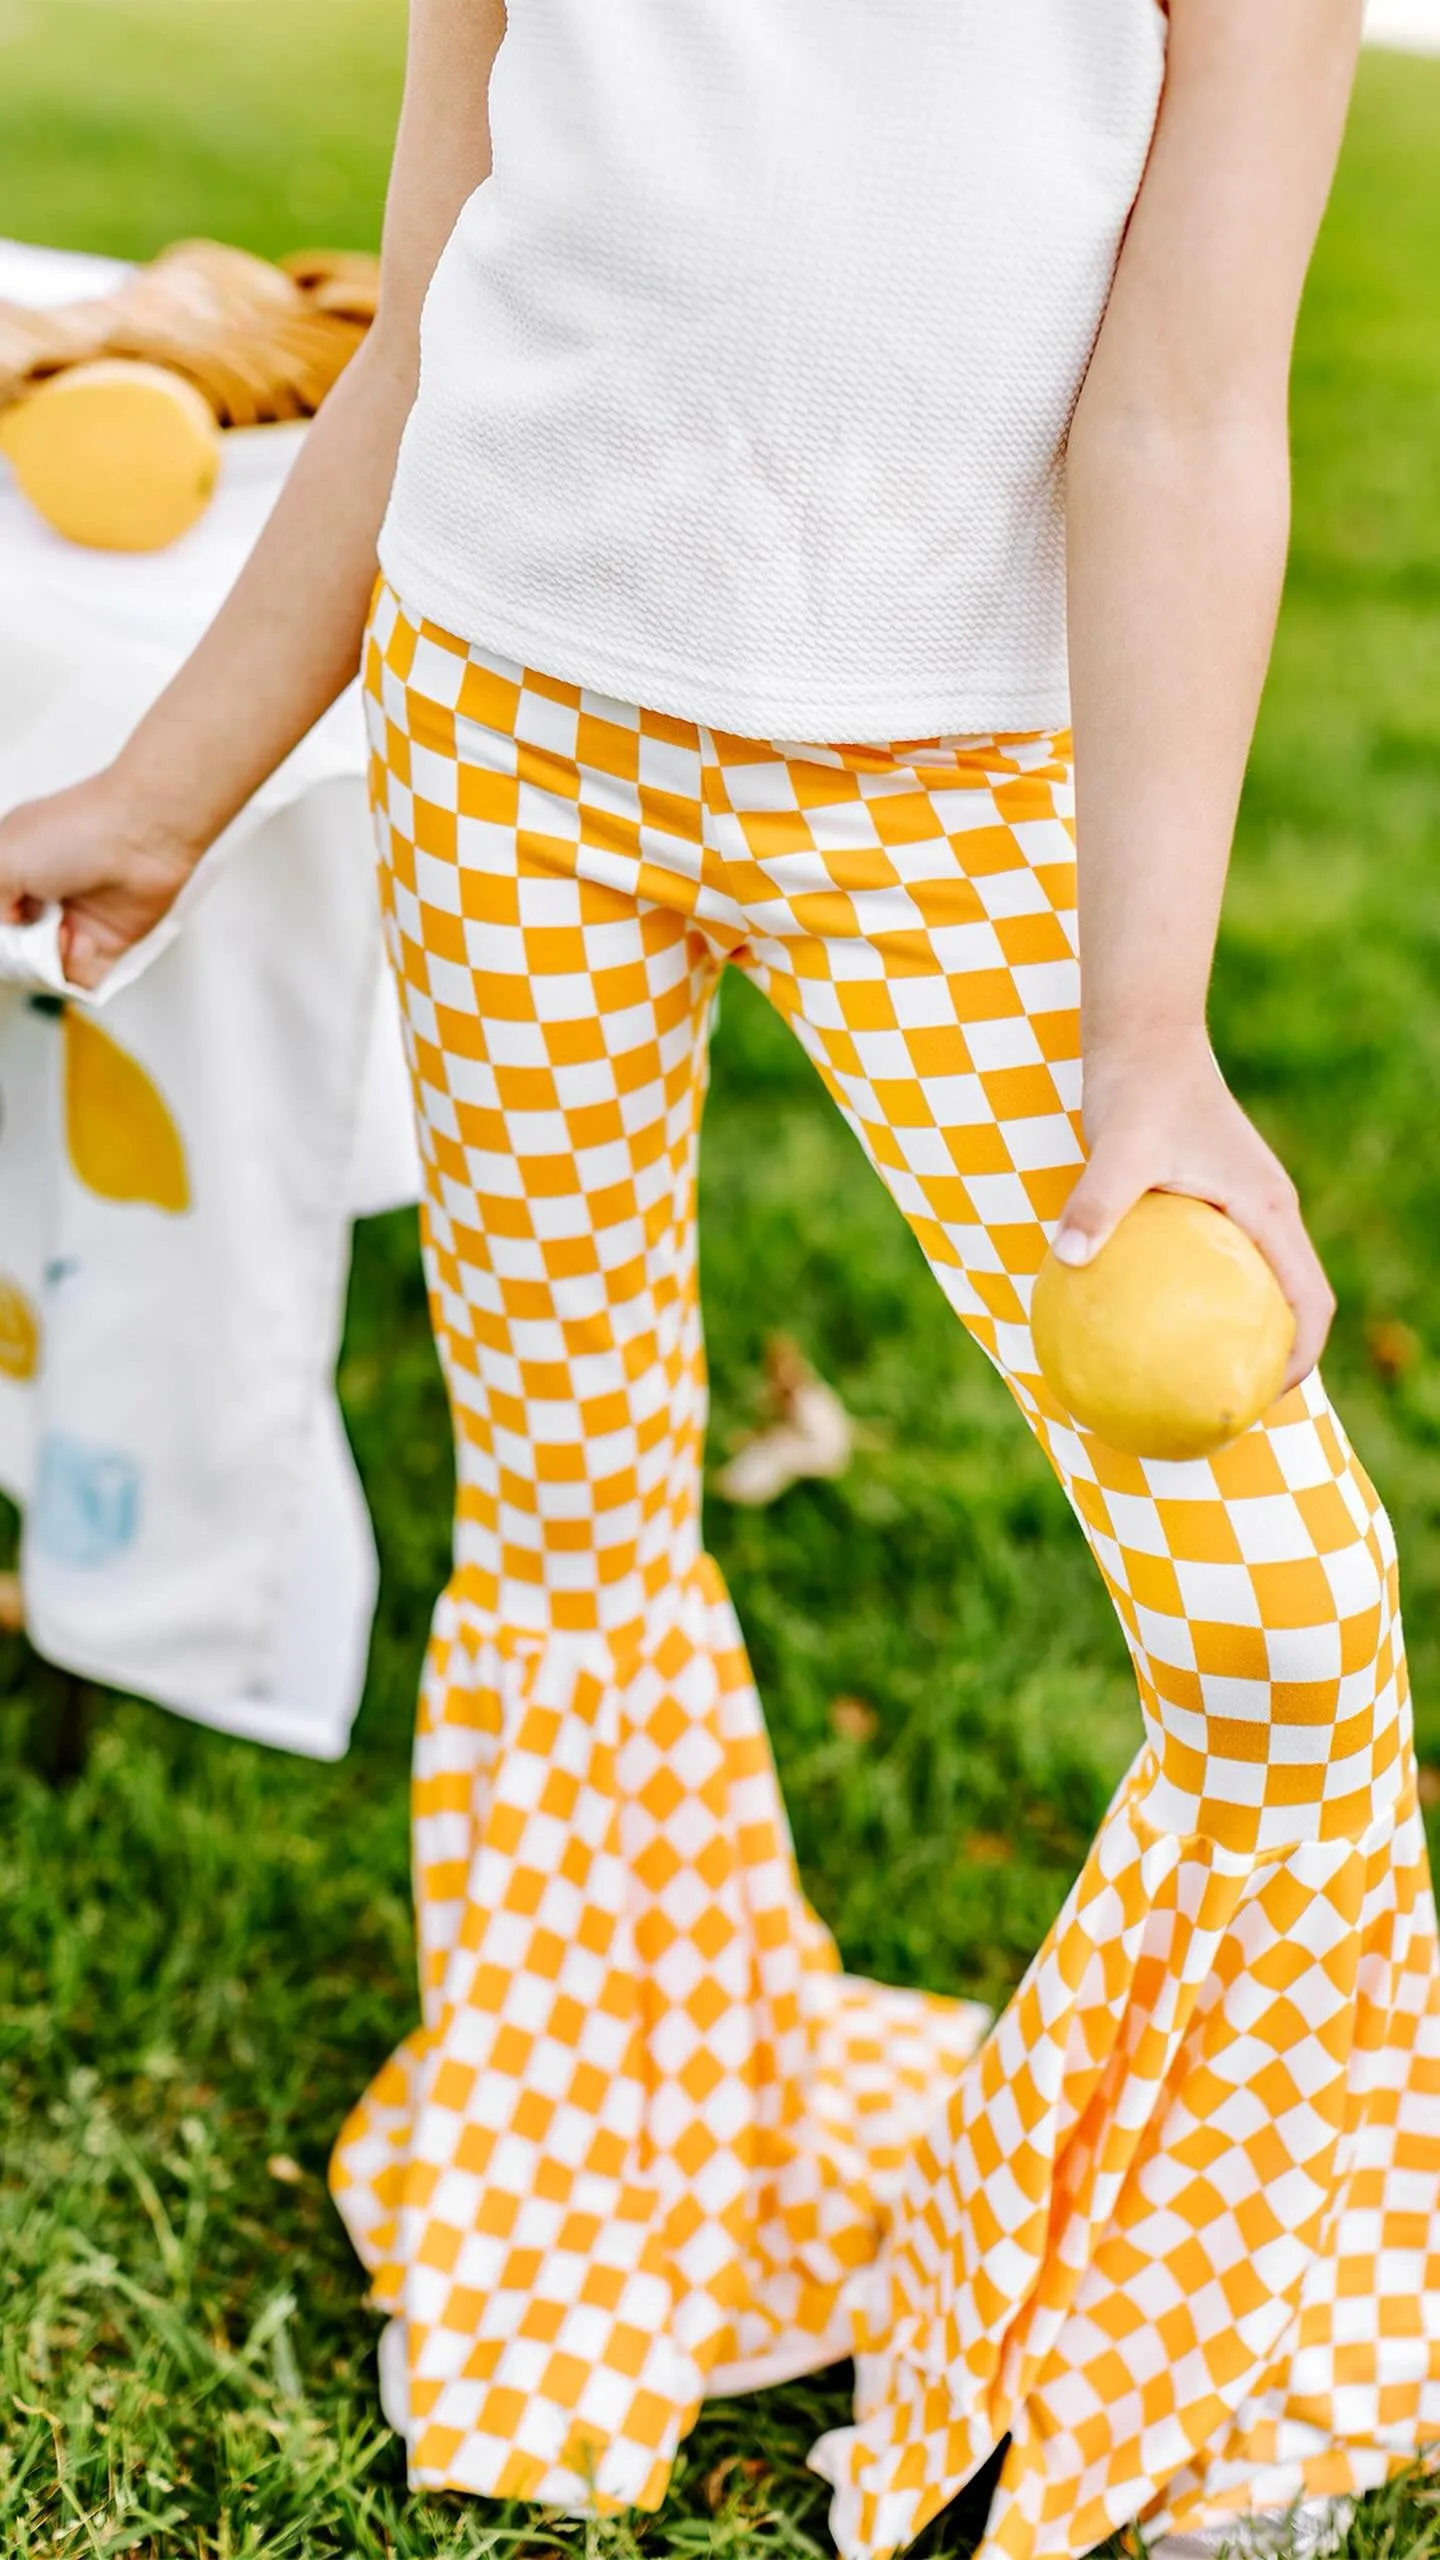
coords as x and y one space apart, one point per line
1392 1346
288 2171
853 1720
736 2472
1428 1786
811 1434
987 1849
12 1605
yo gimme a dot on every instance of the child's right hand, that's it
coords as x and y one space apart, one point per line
112 870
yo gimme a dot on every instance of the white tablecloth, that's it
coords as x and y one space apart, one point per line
1410 26
194 1529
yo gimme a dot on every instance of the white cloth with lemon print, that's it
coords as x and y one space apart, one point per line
180 1163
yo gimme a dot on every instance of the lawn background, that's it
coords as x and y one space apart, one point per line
205 1949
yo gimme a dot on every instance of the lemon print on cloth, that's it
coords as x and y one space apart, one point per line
19 1332
122 1140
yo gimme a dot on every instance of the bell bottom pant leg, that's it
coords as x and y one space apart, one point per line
637 2147
1176 2228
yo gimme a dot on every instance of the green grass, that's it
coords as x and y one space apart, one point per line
127 123
206 1949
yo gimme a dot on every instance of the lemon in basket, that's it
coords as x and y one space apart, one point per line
116 455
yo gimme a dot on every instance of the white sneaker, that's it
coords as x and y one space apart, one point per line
1310 2530
395 2378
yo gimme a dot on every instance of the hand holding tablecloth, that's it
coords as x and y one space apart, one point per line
179 1164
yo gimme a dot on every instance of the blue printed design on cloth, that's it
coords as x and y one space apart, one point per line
86 1506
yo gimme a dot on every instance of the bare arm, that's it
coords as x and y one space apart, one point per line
287 640
1179 522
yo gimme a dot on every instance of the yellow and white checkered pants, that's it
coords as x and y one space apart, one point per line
1175 2226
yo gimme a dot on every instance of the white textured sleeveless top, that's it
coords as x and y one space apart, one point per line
746 375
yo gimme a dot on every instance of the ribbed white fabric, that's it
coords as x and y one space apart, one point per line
746 376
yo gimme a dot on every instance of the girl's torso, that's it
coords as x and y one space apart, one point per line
746 376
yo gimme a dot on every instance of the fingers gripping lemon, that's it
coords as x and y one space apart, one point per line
1173 1340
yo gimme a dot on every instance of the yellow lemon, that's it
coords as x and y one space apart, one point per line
1173 1340
121 1138
121 456
19 1332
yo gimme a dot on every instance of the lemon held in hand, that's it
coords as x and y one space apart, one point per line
1173 1340
120 456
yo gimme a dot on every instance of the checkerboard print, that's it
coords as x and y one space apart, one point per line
1174 2227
